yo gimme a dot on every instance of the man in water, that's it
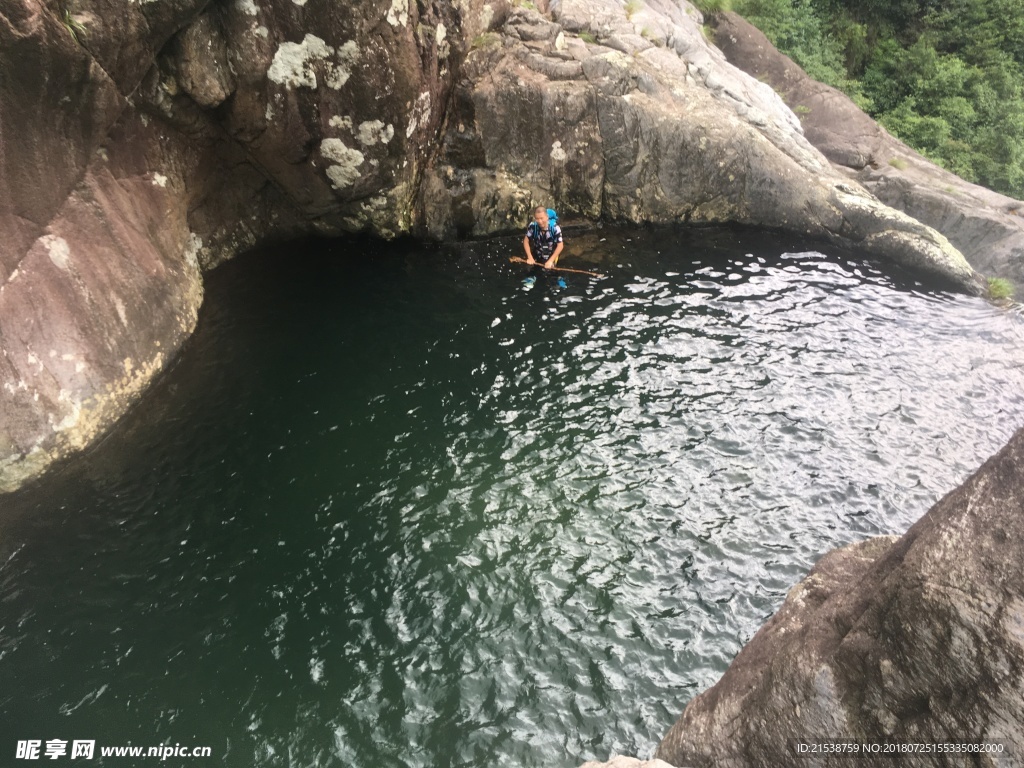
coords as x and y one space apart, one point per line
543 241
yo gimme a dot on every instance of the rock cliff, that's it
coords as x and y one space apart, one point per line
988 228
916 639
143 142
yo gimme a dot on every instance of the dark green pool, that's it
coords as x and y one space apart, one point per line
391 509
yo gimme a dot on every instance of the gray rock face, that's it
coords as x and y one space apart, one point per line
987 227
145 142
916 639
654 127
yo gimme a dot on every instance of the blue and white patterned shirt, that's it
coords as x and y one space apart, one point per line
542 242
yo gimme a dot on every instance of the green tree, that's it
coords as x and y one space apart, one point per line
945 76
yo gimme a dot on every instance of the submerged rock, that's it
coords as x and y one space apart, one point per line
987 227
917 639
145 142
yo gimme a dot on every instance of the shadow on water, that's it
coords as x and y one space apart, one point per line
393 508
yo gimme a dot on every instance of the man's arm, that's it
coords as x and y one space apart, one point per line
554 256
526 247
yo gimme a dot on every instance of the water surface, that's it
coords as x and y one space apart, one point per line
391 509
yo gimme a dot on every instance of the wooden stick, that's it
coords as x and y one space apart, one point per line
521 260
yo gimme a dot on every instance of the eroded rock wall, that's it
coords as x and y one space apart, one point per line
96 288
917 639
141 143
633 115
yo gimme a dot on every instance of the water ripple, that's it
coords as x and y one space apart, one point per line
464 524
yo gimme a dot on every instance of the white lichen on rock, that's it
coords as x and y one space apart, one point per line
373 131
248 7
341 70
420 114
121 313
293 64
440 37
192 249
159 180
344 170
58 250
486 16
398 14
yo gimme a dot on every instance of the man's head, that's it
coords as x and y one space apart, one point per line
540 215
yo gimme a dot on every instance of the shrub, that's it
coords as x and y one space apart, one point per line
999 289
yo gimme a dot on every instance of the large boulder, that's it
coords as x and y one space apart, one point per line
987 227
146 142
918 639
97 290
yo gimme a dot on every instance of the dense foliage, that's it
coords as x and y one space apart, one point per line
945 76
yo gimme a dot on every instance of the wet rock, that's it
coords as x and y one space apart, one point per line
96 290
916 639
987 227
95 308
56 108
